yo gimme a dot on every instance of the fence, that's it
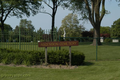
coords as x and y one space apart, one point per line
28 40
108 50
25 39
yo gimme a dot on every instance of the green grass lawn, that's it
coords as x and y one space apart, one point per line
106 68
104 52
101 70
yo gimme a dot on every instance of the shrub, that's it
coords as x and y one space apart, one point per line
62 57
108 40
19 58
77 58
8 56
58 57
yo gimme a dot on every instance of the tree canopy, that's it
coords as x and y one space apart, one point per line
26 30
105 30
17 8
72 26
94 10
7 30
115 29
53 5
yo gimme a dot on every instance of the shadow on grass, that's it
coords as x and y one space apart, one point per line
88 63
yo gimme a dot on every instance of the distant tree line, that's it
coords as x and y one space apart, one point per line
27 33
92 10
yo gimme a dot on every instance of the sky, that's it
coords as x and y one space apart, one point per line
44 21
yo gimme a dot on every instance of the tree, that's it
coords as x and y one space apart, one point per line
24 23
7 27
39 34
7 30
87 34
105 30
94 10
17 8
53 5
26 30
72 26
115 29
40 31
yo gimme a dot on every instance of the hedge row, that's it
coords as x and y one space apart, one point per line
8 56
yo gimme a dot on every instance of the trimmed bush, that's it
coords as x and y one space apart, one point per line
62 57
77 58
19 58
8 56
58 57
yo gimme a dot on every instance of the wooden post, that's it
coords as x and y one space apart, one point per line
45 55
69 55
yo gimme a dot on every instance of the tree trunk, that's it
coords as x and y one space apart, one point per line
96 39
53 23
95 17
2 34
